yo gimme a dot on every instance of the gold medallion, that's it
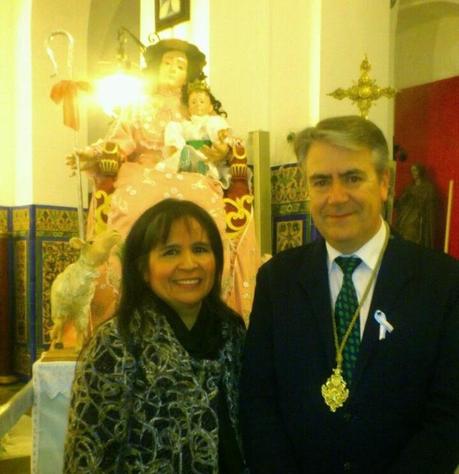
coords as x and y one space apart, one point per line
334 390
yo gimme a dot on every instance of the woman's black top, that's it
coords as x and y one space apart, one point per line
203 341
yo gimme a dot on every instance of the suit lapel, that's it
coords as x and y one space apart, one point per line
313 279
394 273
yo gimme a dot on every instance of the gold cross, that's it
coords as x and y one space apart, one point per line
365 92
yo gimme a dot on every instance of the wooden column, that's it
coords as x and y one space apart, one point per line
259 157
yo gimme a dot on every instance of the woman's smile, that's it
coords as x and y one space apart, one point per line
182 270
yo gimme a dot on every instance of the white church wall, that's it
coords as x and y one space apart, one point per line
294 48
427 44
262 64
349 31
15 130
8 17
273 62
52 141
239 59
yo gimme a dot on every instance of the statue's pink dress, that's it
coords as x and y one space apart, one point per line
139 185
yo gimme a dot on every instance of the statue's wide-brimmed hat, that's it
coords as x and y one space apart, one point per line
154 53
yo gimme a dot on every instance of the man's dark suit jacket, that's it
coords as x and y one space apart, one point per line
402 415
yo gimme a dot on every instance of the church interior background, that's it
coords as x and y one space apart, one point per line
272 63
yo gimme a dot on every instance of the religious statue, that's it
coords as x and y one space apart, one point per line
130 171
416 209
206 127
73 289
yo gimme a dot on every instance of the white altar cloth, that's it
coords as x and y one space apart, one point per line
52 383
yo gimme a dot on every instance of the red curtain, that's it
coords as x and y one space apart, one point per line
427 128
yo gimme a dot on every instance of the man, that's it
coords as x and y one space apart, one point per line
352 369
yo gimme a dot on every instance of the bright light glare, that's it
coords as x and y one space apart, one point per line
118 91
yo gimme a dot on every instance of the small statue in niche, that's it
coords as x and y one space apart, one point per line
416 209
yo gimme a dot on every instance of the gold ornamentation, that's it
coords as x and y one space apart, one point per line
238 149
335 391
236 221
333 387
108 167
21 220
109 162
101 212
198 86
239 170
365 92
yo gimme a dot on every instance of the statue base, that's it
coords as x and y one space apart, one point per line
8 379
62 354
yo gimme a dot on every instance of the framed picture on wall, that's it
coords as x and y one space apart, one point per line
171 12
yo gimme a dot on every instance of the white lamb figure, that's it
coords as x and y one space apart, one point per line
73 289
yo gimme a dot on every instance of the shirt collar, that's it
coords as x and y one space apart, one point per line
368 253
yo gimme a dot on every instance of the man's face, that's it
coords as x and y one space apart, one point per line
346 194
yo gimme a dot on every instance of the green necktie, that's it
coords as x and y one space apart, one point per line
345 307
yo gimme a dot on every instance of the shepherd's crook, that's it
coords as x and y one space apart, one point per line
51 55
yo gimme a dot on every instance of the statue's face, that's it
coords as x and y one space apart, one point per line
173 69
415 172
199 103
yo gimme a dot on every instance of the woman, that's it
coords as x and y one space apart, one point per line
156 388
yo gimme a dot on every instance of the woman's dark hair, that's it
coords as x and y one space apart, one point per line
151 229
196 59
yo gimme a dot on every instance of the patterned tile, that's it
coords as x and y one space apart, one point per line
55 222
20 291
291 220
288 190
289 233
55 256
39 251
22 361
3 221
21 220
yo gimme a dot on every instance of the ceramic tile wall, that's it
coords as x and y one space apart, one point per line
39 251
291 220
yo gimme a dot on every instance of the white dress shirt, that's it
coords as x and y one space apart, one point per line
369 254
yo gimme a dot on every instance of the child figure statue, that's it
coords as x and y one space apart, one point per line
187 143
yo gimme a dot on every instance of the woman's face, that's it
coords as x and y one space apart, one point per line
173 69
182 270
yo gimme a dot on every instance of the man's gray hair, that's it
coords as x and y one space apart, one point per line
350 132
